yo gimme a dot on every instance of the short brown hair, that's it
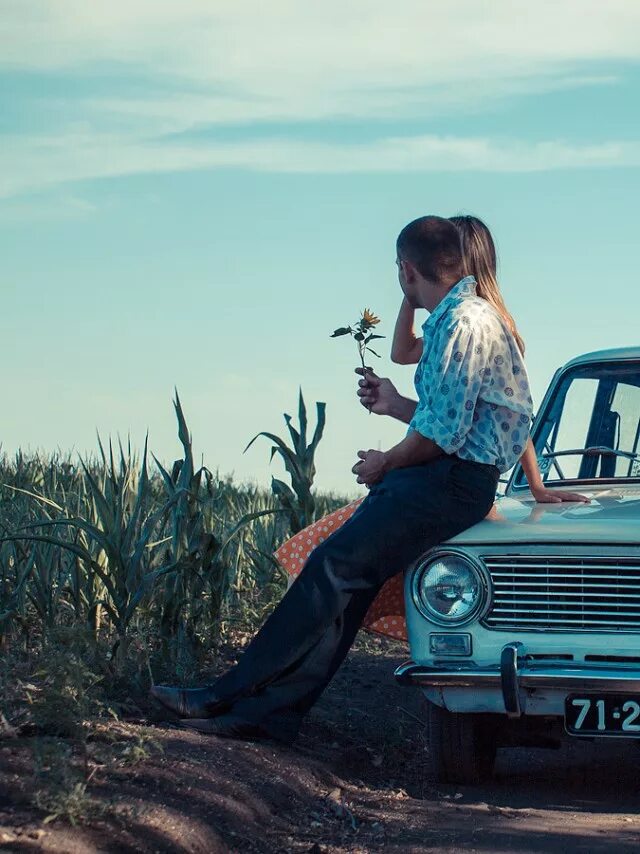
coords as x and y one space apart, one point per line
432 244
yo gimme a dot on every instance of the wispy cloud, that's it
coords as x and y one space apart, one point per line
286 45
75 158
54 207
200 64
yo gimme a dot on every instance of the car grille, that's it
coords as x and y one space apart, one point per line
564 593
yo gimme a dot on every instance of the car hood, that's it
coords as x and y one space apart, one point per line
612 517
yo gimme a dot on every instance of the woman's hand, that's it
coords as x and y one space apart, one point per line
539 491
406 348
557 496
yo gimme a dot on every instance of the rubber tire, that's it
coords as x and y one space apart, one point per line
462 747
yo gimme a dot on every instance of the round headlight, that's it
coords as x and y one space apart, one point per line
449 589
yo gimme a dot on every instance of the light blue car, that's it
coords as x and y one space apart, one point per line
525 629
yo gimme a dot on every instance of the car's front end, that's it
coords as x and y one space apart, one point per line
527 626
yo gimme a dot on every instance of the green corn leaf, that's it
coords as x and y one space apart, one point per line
138 507
244 521
72 547
112 469
321 415
166 477
302 418
114 615
183 432
289 502
35 495
187 468
148 528
295 436
144 588
103 456
283 492
290 461
93 532
268 557
105 513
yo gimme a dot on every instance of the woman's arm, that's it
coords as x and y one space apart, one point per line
542 495
406 349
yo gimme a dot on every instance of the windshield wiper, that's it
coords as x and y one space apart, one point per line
596 451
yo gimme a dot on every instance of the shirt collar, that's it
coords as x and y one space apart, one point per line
464 288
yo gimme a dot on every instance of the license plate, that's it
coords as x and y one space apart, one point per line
604 714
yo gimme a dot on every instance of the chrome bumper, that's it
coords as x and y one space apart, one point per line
513 673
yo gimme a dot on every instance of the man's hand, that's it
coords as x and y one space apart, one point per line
371 468
377 394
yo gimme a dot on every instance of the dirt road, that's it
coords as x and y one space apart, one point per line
355 782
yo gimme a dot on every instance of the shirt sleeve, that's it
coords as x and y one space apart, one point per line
454 375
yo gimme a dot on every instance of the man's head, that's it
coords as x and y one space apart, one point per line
429 261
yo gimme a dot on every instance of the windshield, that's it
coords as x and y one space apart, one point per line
594 408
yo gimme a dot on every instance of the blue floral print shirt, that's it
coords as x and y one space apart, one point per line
473 392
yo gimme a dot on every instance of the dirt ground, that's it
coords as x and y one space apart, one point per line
354 782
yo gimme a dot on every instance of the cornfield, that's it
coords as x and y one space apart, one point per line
145 563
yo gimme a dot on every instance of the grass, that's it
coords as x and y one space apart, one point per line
117 572
146 561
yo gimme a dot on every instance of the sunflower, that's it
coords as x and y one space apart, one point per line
362 334
369 319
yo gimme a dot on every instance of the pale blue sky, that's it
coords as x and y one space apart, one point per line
197 193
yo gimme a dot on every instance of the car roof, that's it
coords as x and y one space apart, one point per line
614 354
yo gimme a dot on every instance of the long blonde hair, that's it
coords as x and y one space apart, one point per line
480 261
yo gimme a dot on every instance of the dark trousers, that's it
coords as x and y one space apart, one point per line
295 654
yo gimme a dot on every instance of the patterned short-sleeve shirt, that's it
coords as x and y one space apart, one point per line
473 391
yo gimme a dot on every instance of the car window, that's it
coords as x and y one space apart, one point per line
573 421
626 403
591 406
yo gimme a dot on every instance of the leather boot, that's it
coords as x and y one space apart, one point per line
189 702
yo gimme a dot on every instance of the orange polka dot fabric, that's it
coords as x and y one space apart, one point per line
386 616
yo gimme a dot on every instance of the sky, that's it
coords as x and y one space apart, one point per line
194 194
